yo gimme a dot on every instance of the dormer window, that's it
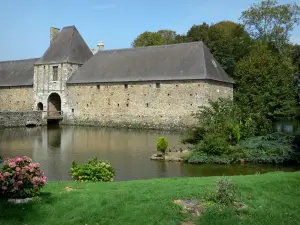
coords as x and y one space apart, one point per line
55 73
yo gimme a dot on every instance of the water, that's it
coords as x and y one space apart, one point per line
128 150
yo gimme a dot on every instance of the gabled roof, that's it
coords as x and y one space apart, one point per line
186 61
67 47
17 73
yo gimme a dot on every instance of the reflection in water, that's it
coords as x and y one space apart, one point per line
128 150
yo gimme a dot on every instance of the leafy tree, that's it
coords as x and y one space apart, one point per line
295 52
228 42
161 37
148 39
269 22
265 86
223 119
168 36
198 33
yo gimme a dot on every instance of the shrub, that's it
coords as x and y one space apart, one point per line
94 170
20 178
162 144
226 192
271 148
213 145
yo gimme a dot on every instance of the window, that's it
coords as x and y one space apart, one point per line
125 86
55 73
98 86
157 85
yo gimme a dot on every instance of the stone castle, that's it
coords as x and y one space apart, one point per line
154 87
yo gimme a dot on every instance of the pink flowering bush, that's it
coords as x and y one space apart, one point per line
20 178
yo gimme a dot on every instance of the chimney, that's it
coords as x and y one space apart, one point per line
53 33
100 46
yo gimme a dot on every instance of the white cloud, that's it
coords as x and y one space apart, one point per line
104 7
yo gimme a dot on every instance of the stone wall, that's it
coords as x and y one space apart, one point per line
44 85
19 119
153 105
16 98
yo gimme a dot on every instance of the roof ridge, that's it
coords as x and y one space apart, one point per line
18 60
152 46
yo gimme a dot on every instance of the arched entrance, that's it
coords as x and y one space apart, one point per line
40 106
54 105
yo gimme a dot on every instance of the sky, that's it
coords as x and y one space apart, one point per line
25 24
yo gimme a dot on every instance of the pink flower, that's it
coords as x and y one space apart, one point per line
6 174
27 159
19 159
12 165
18 169
36 165
4 188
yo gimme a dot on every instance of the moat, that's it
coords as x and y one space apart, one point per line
128 150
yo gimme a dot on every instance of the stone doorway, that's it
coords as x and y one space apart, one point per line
54 105
40 106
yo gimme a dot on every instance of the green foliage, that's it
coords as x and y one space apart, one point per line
221 121
265 86
162 144
228 42
269 22
198 33
214 145
94 170
161 37
272 148
226 192
199 158
1 159
295 53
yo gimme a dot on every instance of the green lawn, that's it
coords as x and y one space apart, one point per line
275 200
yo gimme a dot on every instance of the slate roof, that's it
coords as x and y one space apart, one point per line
186 61
17 73
67 47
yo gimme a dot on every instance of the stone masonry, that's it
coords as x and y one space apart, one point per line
152 105
17 119
44 85
16 98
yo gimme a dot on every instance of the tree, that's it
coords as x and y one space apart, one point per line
198 33
161 37
296 56
168 36
228 42
269 22
265 85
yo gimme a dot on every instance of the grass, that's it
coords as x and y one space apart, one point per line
275 200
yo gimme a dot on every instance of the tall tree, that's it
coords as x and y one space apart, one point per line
265 84
296 56
267 21
228 42
198 33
